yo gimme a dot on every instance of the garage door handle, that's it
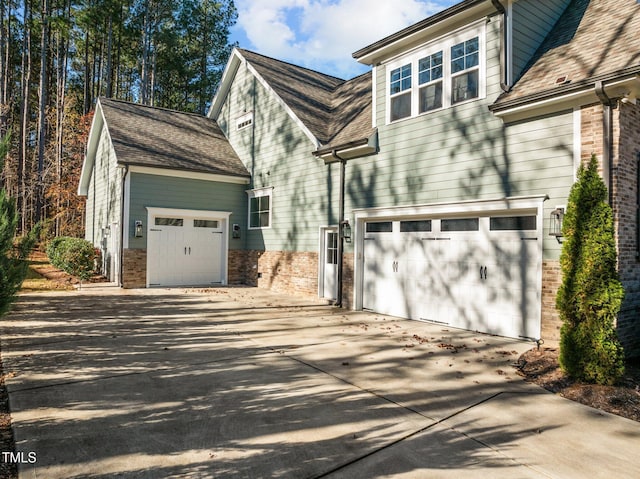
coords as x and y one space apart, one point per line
189 250
483 272
185 250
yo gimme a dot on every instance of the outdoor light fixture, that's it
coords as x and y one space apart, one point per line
555 223
235 231
345 229
138 229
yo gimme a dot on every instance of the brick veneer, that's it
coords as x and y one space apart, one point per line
551 280
134 268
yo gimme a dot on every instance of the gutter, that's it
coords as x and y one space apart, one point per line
607 127
340 252
503 45
568 89
120 277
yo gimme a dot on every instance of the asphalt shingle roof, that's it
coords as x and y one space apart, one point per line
592 39
334 110
160 138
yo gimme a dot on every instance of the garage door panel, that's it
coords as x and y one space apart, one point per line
477 279
185 252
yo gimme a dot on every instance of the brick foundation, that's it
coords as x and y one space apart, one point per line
134 268
551 280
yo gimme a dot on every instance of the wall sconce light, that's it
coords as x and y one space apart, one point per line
345 231
138 229
235 231
555 223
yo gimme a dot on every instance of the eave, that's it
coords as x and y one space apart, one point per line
618 85
92 147
423 31
348 151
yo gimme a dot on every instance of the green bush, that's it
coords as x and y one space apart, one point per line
53 250
591 295
74 256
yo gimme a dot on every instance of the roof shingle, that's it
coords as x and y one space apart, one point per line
160 138
592 39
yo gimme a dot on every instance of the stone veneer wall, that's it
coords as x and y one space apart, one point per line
134 268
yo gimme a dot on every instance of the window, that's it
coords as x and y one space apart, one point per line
169 221
332 248
465 59
437 76
379 227
512 223
400 92
244 121
461 224
260 208
415 226
430 81
206 224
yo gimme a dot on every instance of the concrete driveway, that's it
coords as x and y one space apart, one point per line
240 382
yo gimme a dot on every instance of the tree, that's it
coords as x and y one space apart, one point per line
590 296
13 265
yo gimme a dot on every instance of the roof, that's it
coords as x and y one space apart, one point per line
335 111
592 40
352 110
308 93
160 138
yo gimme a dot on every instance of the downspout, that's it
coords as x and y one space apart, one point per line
607 126
120 278
503 45
343 163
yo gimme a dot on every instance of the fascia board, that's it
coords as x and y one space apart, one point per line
235 59
97 124
192 175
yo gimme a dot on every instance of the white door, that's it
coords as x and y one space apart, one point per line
330 264
184 251
476 273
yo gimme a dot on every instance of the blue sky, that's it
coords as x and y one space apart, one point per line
322 34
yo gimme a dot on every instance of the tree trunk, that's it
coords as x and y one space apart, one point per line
44 46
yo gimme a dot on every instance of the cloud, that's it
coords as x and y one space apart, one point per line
322 34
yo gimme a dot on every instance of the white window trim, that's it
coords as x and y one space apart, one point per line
444 45
258 193
244 121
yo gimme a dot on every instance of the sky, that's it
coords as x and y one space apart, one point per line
322 34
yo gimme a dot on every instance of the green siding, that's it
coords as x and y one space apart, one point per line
184 193
532 21
465 153
278 154
105 191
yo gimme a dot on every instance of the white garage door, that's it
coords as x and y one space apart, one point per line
184 251
477 273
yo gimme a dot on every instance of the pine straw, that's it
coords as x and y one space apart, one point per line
541 367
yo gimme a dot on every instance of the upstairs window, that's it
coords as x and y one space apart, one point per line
401 92
465 61
437 76
430 71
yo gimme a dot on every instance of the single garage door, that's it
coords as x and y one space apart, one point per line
184 251
477 273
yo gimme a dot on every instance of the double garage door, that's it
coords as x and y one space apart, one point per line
184 251
480 273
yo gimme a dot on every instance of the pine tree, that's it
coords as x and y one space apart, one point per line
590 296
13 265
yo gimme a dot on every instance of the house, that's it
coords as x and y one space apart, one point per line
439 177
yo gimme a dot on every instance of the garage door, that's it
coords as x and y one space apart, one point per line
477 273
184 251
